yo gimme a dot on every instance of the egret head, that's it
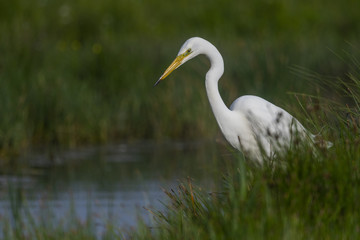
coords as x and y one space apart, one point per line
190 49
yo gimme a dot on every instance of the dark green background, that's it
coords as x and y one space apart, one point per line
82 72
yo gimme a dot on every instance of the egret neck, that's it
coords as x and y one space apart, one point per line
215 72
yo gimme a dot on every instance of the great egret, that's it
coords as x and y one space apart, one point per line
252 124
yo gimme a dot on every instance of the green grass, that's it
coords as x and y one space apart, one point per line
308 200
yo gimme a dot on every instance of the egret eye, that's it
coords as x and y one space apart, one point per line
187 52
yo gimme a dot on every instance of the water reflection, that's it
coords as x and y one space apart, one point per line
108 183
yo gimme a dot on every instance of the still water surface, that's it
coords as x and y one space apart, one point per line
109 183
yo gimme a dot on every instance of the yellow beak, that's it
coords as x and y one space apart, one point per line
174 65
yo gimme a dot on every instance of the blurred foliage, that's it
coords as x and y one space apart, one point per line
75 72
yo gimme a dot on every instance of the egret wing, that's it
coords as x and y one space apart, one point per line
271 125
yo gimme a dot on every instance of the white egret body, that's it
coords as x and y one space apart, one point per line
252 124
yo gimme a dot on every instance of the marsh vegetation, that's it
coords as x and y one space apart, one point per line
80 73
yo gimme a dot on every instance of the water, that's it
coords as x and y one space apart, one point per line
106 184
